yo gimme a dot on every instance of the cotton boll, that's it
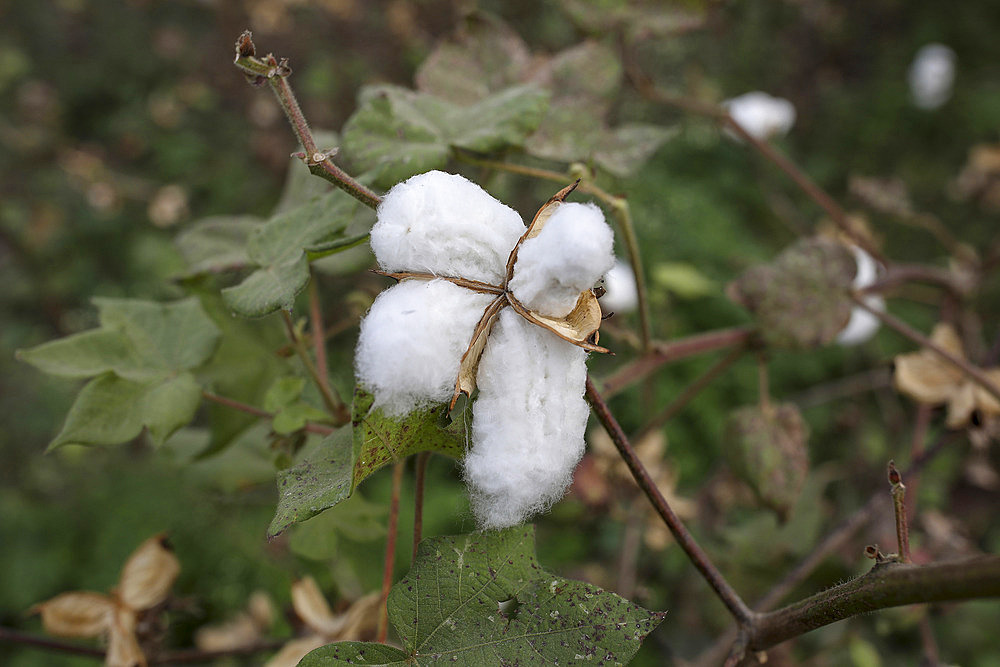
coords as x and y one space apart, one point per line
445 225
622 295
412 341
862 325
761 115
931 76
569 255
528 422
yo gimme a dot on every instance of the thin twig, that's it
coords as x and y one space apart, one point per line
901 327
331 399
48 644
698 558
645 86
688 394
665 352
392 531
310 427
899 510
418 500
276 74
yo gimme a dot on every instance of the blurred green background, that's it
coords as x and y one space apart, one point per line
123 122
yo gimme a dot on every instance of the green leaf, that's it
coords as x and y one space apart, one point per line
321 250
483 599
683 279
355 518
396 132
217 244
111 410
624 149
268 289
283 392
318 482
278 248
83 355
356 653
293 417
167 337
380 440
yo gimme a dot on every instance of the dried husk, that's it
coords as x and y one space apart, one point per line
76 614
148 574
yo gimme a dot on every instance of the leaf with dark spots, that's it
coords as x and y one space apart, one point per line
483 599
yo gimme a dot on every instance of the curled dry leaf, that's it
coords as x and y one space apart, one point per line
77 614
927 378
148 574
123 647
245 629
357 622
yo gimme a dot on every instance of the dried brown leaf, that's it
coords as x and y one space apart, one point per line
77 614
292 652
123 647
312 607
579 327
148 574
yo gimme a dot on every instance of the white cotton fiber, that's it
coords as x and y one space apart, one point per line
528 423
622 295
412 341
932 75
863 325
445 225
570 254
761 115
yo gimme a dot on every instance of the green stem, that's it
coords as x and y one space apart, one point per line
310 427
331 399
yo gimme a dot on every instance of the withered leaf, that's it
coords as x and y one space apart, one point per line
312 607
148 574
468 367
579 327
77 614
123 647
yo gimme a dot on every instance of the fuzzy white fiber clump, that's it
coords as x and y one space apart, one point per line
863 325
570 254
528 423
622 294
761 115
932 75
529 417
443 224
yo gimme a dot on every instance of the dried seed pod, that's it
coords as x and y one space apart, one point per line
77 614
148 574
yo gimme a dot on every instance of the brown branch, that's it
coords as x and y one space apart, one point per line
48 644
730 598
310 427
390 552
886 585
276 74
665 352
901 327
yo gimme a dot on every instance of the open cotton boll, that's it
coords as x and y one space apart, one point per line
862 325
761 115
412 341
932 75
445 225
621 295
528 423
569 255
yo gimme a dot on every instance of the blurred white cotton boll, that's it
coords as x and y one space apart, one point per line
863 325
761 115
445 225
412 340
932 74
621 294
527 424
568 256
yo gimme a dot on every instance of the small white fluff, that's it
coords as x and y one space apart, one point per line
445 225
862 325
761 115
528 423
931 76
570 254
621 295
412 341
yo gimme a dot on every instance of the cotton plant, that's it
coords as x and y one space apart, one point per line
763 116
621 294
485 303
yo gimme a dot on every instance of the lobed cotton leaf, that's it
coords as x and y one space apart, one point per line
528 422
570 254
445 225
412 340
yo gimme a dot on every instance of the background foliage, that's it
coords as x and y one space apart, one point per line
122 123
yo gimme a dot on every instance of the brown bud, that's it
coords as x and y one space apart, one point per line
244 45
